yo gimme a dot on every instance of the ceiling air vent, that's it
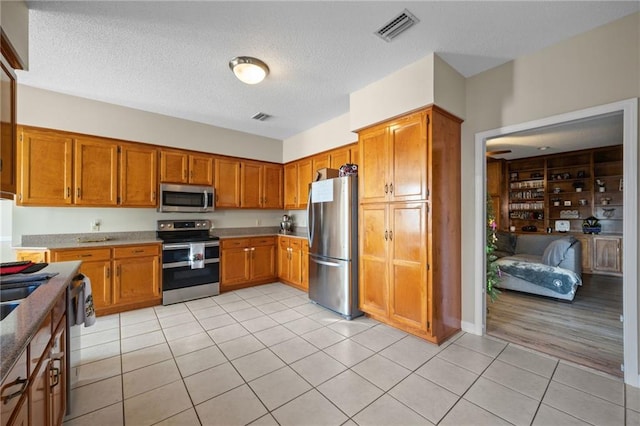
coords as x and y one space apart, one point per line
397 25
261 116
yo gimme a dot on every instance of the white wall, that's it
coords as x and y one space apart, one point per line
449 88
14 19
404 90
328 135
43 108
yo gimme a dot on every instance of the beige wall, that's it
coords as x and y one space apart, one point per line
43 108
594 68
328 135
14 19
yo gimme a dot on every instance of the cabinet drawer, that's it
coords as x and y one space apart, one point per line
295 243
262 241
14 383
136 251
283 242
305 245
81 254
234 243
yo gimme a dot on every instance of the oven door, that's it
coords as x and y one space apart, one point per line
177 272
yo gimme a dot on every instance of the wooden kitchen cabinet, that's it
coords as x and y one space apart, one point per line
136 275
320 161
587 252
227 182
8 129
304 264
13 393
339 157
607 252
44 168
354 153
35 256
247 261
409 223
290 262
297 177
96 264
184 167
261 185
393 160
95 173
138 176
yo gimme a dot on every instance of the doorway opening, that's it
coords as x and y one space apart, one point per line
628 285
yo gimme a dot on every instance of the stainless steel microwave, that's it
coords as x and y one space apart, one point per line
186 198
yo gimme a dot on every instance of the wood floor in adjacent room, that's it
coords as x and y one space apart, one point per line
587 331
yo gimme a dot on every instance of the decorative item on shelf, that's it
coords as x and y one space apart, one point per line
556 202
591 225
620 185
609 213
566 175
567 203
557 190
581 174
601 185
549 230
529 228
348 169
562 225
536 175
569 214
514 175
605 201
578 185
583 201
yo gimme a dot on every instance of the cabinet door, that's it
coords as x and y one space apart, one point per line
263 262
304 265
7 156
173 166
44 170
35 256
374 165
251 185
354 153
295 261
272 194
201 169
284 258
39 401
291 186
13 388
138 176
136 279
100 275
304 179
339 157
95 172
408 178
374 271
318 162
607 254
587 252
234 266
227 183
494 177
58 375
407 260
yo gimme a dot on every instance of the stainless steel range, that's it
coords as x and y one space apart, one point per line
190 260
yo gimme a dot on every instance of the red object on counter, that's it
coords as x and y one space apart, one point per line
14 269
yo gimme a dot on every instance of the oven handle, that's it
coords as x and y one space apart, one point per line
180 246
183 264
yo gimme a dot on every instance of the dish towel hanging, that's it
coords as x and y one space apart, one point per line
196 255
85 311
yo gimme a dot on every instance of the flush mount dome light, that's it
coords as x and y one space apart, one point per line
249 70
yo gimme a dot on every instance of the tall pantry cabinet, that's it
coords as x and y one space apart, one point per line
409 194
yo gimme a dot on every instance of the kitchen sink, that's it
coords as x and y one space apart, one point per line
10 294
6 308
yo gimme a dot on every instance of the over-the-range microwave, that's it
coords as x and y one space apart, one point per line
186 198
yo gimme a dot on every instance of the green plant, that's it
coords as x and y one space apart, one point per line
493 271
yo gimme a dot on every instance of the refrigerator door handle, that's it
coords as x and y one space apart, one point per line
310 219
323 262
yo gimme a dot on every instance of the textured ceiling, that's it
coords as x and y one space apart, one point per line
172 57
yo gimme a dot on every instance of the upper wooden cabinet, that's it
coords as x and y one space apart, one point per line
138 176
227 182
339 157
7 128
393 159
297 177
320 161
105 172
95 173
44 168
184 167
409 223
261 185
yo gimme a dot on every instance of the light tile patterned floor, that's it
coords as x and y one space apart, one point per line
266 355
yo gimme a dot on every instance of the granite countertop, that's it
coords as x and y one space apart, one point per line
93 240
223 233
17 329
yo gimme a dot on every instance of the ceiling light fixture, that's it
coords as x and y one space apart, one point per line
249 70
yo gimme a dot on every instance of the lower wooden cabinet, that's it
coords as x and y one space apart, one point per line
34 391
247 261
293 262
122 277
601 254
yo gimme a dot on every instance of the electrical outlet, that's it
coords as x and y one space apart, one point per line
258 222
95 225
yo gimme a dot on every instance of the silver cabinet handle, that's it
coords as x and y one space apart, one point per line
386 188
391 188
386 235
391 235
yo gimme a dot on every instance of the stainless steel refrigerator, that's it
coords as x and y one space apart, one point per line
332 227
